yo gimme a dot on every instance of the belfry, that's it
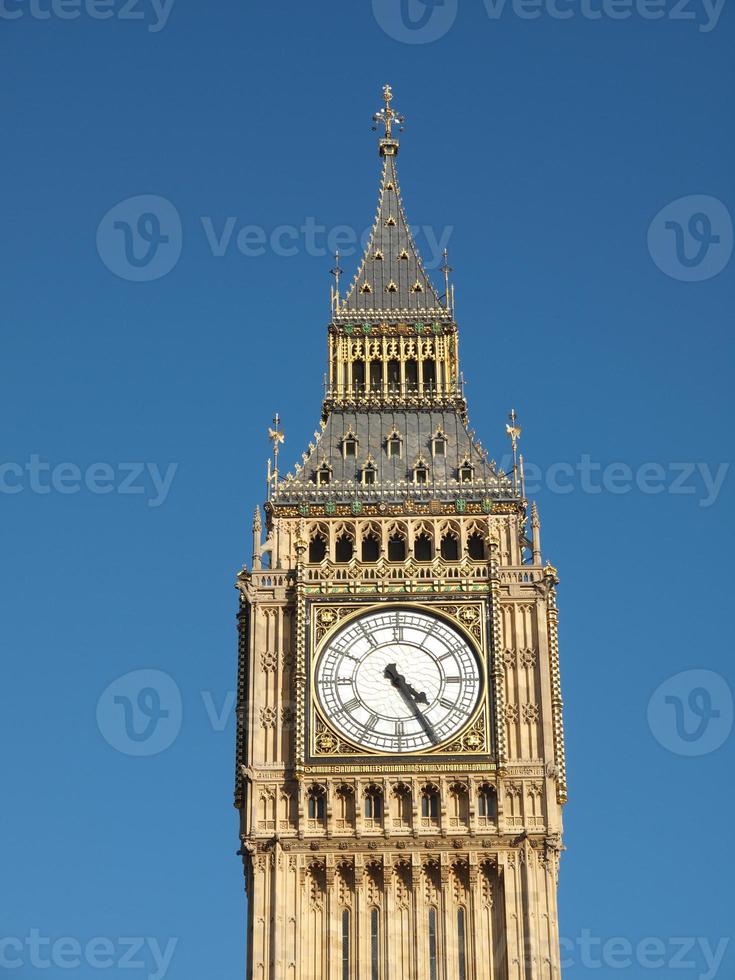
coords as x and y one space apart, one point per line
400 767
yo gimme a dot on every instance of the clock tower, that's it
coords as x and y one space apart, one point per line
400 754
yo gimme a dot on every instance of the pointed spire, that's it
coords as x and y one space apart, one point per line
536 534
391 277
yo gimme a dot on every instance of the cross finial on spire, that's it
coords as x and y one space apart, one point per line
336 272
389 118
514 432
446 269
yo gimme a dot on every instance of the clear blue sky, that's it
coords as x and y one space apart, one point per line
546 148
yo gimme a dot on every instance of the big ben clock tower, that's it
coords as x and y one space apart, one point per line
400 754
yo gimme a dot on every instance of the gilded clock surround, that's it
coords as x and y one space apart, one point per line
467 618
466 839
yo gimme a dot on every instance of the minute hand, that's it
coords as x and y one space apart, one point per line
410 696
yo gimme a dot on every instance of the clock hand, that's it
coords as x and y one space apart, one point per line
398 680
410 696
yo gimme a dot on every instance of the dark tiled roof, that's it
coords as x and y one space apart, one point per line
394 476
397 281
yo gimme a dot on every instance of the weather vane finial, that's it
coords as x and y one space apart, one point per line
389 118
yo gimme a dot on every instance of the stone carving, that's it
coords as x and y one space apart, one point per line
530 713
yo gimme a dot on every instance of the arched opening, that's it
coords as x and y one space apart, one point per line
433 974
373 803
450 547
394 374
358 375
412 375
421 474
346 944
466 472
396 547
429 373
317 549
486 802
422 548
316 805
344 548
376 375
430 803
370 547
476 546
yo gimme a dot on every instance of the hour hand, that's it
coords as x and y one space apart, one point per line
399 681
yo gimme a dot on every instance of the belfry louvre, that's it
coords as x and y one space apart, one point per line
400 767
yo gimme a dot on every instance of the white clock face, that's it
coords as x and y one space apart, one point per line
398 681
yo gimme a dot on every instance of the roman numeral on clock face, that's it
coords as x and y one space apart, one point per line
371 723
446 704
351 705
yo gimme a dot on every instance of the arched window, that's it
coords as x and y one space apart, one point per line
476 546
422 549
374 945
376 375
344 548
486 802
370 547
433 974
396 547
461 945
439 444
346 944
317 549
358 376
429 373
316 807
450 547
430 803
324 475
466 472
412 375
394 374
373 803
368 474
349 446
394 444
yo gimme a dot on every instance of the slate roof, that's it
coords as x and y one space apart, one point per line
394 476
391 267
